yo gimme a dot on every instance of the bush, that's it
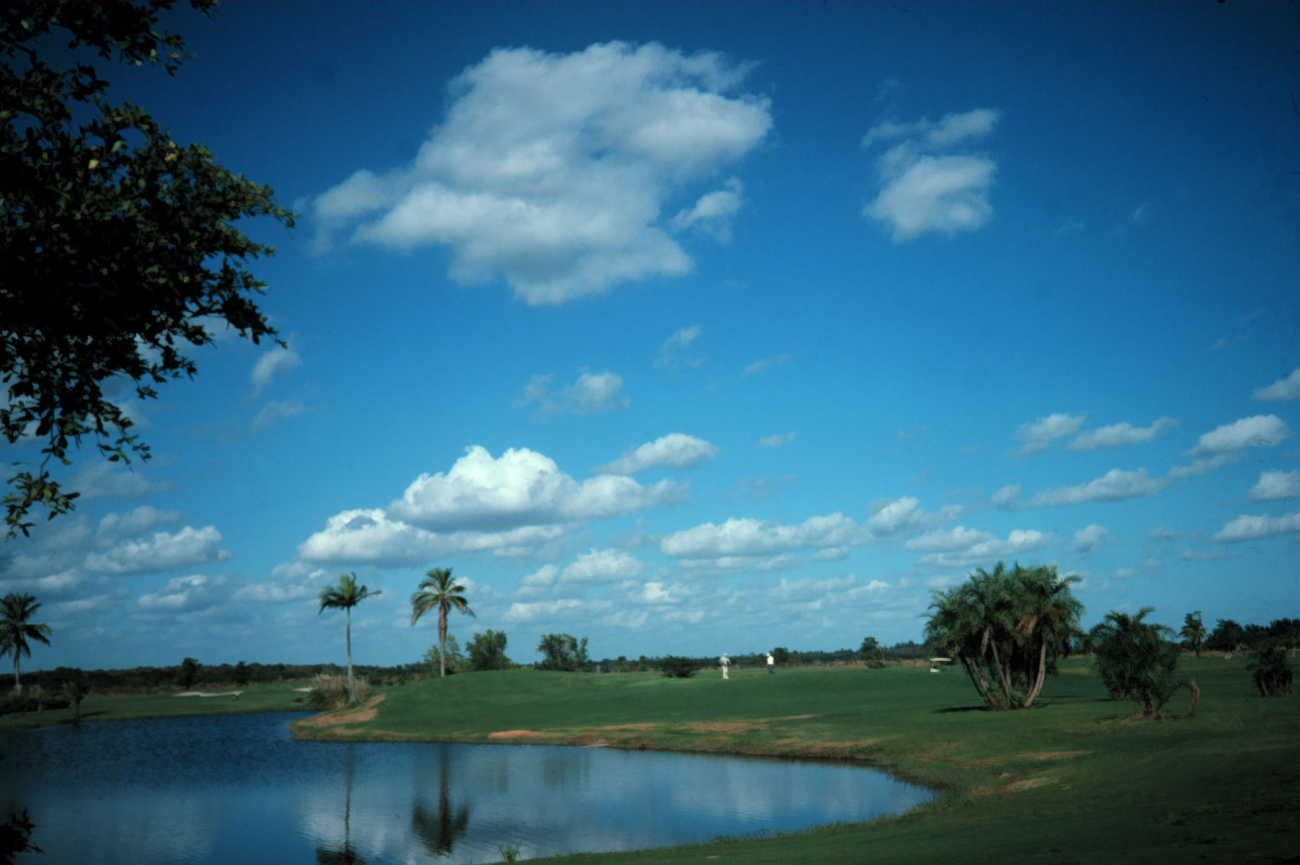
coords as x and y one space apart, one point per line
12 704
674 667
1272 672
487 651
876 664
331 692
564 653
1136 660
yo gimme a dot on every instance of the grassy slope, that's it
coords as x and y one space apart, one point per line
277 697
1076 780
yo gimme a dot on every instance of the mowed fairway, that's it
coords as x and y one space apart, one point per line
1075 779
278 697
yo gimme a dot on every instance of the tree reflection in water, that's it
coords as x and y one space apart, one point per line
344 855
439 830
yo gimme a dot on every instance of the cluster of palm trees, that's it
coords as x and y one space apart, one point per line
1006 628
437 591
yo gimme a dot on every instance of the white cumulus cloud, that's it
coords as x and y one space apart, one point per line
1275 485
961 547
1038 435
520 488
1261 430
675 354
597 567
276 363
1114 486
1282 390
552 170
1248 528
926 184
893 517
1121 434
713 213
591 393
187 548
777 440
673 451
1007 498
1088 539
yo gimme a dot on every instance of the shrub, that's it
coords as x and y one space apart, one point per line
563 652
487 651
1272 672
13 704
675 667
1136 660
876 664
331 692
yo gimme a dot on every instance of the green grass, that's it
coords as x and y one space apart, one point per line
1075 779
278 697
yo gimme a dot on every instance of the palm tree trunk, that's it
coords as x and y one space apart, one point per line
977 676
442 643
352 682
18 685
1003 676
1042 673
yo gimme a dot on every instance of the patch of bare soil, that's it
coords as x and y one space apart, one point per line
1026 784
365 712
1047 755
726 727
518 734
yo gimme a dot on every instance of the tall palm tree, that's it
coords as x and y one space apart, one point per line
15 630
346 595
439 590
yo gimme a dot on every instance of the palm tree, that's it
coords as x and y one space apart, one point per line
75 690
437 589
345 596
1194 631
16 630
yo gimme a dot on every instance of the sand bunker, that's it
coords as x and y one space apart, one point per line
206 694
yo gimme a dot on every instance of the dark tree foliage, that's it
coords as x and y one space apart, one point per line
563 653
871 649
189 672
1006 628
118 243
781 655
16 837
1272 672
676 667
1227 636
1137 659
487 651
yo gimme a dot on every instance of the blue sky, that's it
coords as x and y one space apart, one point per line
701 328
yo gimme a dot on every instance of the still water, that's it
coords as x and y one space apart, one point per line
238 789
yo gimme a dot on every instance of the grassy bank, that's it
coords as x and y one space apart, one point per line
277 697
1076 779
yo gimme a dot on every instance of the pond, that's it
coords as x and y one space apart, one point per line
237 788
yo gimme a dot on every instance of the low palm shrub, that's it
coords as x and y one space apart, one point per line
1272 672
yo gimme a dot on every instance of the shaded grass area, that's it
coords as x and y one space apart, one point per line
277 697
1076 779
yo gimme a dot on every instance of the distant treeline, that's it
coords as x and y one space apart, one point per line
784 657
1228 636
142 679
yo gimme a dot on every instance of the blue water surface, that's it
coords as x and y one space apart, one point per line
237 788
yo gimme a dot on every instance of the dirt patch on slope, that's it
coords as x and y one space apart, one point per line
365 712
518 734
